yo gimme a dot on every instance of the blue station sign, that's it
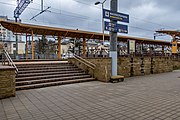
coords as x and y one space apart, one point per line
115 16
114 27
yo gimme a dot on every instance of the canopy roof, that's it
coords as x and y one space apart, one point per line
170 32
45 30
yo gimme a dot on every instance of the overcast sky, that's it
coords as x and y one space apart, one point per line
146 16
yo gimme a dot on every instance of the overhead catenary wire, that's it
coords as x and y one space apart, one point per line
77 17
86 17
80 17
147 21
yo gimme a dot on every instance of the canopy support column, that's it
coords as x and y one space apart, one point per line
32 44
26 47
163 50
59 47
84 47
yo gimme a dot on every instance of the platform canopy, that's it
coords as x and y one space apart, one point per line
170 32
54 31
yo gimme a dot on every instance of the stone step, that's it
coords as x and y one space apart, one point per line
47 70
48 76
52 84
50 67
48 73
43 65
44 74
38 81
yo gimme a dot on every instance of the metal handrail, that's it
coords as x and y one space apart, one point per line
10 61
85 61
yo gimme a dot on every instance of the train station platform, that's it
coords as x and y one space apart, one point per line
151 97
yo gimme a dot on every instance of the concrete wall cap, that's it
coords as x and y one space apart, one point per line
6 68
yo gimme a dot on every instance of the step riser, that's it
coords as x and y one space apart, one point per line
50 70
48 77
44 75
53 84
45 64
35 66
50 80
42 68
48 73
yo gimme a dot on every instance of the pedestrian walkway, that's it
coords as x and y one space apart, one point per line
151 97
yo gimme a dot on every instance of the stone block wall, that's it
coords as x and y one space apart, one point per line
7 82
124 66
162 64
103 68
129 66
102 71
147 65
136 64
176 64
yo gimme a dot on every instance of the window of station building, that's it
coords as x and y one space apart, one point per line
14 45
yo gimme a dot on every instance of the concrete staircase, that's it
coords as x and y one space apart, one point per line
38 75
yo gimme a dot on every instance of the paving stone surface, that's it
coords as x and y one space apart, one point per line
151 97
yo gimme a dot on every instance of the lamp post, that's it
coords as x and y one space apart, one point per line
102 3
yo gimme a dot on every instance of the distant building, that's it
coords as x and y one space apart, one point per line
10 46
6 35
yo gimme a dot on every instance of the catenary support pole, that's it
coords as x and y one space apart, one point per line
113 41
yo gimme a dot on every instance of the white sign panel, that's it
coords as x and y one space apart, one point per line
132 46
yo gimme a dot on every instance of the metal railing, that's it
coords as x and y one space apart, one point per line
86 63
9 60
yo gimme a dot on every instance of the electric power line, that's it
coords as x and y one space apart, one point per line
86 17
76 17
131 16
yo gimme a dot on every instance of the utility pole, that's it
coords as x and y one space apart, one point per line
102 3
113 40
